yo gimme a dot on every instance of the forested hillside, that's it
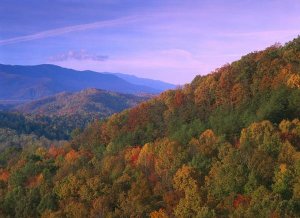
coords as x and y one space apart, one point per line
226 145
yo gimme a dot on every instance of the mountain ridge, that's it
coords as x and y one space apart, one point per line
19 82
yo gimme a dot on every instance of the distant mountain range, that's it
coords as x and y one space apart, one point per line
89 102
34 82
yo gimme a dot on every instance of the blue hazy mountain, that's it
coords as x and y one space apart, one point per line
33 82
157 84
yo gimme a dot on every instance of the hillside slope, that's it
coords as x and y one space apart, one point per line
226 145
32 82
261 86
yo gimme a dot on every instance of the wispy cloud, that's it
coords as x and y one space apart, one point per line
77 55
68 29
172 65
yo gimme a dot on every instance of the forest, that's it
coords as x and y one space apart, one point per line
225 145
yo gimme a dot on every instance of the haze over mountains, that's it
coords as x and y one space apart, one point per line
34 82
156 84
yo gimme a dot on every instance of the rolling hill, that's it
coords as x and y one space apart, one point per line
56 117
89 102
33 82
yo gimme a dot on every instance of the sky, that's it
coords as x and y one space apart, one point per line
172 41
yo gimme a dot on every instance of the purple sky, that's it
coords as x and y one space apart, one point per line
167 40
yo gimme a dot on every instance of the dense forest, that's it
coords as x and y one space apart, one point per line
225 145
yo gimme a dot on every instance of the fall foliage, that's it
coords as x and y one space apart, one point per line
226 145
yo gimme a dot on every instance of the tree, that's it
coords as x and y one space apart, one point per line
169 157
191 205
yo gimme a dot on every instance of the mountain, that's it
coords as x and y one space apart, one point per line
33 82
91 102
159 85
225 145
